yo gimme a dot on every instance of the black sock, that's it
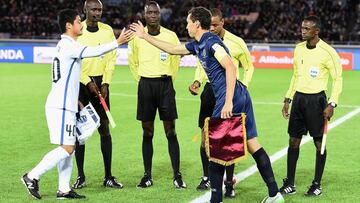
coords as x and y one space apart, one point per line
264 165
204 161
80 156
147 152
229 172
106 149
292 157
319 166
174 152
216 172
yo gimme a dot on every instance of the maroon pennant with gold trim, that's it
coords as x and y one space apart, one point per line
225 139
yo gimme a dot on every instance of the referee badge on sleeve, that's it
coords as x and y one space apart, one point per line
87 123
225 139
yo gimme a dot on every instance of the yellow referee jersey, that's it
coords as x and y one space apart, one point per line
312 68
240 56
103 65
145 60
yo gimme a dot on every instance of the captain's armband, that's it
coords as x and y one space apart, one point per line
219 52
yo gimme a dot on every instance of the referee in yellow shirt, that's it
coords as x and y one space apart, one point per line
240 56
314 61
95 78
155 71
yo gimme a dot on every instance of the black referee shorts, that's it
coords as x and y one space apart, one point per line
85 96
307 115
153 94
207 105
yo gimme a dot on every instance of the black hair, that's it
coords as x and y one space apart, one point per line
151 3
315 20
202 15
66 16
216 12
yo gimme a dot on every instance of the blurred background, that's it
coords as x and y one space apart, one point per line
271 28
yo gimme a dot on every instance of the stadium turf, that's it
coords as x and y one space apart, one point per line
24 140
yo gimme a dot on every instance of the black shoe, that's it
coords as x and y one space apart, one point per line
229 190
112 182
314 189
204 184
145 182
80 182
178 182
32 186
69 195
287 188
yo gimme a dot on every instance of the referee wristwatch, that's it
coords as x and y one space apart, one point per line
287 100
333 104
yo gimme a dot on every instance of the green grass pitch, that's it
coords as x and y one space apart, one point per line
24 141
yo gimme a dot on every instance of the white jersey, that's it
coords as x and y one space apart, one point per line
66 69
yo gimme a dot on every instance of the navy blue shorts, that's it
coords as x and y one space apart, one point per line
241 104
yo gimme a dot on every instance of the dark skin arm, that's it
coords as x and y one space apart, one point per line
104 90
194 88
285 109
328 112
94 90
80 105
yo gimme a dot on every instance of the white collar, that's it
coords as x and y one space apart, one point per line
67 37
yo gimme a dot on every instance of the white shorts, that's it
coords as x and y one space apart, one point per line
61 124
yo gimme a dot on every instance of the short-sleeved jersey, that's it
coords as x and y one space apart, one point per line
205 50
103 65
66 69
240 55
145 60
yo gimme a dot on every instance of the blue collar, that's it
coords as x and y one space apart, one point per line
204 38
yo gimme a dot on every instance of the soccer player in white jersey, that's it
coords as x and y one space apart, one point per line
62 103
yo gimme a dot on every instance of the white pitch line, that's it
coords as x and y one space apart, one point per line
253 169
198 100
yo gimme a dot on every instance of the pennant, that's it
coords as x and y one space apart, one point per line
225 139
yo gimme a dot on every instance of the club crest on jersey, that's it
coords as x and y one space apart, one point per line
163 56
314 71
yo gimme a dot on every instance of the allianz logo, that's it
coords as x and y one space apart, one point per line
11 54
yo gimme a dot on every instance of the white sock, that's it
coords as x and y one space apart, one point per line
65 169
49 161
